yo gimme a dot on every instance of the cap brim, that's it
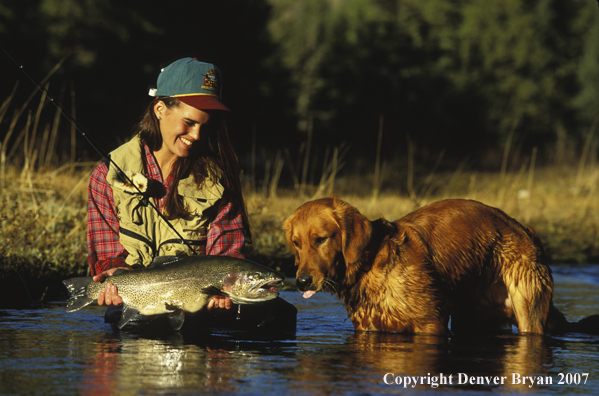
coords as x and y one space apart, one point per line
203 102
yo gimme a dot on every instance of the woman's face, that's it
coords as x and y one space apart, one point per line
180 127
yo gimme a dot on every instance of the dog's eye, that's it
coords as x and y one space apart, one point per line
296 244
319 241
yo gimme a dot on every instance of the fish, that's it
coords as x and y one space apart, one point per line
176 285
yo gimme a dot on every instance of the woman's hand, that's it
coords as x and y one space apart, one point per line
219 302
109 295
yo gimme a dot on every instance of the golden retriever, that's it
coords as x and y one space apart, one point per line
453 257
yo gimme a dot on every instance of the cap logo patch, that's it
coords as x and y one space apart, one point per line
211 80
197 84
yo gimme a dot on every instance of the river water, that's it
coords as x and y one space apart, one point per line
50 352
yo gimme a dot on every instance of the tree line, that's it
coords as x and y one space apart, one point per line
459 76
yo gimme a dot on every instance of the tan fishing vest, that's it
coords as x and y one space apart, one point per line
144 234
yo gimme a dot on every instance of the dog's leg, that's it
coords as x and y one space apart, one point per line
462 323
522 311
530 289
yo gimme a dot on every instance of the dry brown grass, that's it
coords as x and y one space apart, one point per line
43 213
43 220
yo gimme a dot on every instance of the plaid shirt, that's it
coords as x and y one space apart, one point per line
225 233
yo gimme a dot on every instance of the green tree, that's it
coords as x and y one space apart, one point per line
447 70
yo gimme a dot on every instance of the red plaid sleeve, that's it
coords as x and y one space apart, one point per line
225 235
103 246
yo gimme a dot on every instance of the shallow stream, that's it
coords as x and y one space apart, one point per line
51 352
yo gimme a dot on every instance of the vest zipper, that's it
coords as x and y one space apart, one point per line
192 242
140 238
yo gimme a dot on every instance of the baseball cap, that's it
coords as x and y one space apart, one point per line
195 83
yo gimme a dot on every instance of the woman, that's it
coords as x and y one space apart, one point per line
181 182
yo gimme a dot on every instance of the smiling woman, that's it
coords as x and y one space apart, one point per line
181 127
191 203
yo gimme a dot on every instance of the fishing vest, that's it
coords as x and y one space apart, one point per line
143 232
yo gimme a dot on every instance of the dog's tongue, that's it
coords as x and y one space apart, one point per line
309 293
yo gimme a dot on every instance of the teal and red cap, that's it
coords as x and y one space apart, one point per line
197 84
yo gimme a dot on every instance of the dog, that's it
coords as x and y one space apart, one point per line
453 258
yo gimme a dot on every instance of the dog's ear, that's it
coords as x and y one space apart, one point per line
355 230
288 228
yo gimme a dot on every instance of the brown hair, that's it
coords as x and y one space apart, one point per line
214 158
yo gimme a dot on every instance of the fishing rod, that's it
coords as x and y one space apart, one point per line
89 139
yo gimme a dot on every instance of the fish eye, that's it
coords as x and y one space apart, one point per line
254 276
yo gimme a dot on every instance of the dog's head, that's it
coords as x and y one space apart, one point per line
326 236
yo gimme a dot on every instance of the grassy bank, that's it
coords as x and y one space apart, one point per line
43 216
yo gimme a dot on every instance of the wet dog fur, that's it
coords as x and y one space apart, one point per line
455 257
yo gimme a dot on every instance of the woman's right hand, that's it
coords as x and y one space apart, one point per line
109 294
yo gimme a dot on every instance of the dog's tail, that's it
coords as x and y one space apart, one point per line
557 323
588 325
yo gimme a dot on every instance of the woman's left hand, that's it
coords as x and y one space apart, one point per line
219 302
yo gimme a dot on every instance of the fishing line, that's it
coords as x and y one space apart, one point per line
26 289
95 146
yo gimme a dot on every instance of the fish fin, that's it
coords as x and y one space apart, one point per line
119 271
127 315
213 291
164 260
176 319
77 288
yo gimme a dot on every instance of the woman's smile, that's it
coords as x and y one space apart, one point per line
187 142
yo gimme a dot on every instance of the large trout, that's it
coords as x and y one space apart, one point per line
176 285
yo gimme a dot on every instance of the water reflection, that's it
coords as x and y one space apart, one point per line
428 362
100 369
132 364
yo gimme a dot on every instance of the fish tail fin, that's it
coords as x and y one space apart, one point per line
176 319
77 288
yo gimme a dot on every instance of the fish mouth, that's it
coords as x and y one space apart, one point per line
261 291
269 285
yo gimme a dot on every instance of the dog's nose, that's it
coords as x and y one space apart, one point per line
303 282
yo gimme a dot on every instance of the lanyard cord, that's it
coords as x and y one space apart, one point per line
80 129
